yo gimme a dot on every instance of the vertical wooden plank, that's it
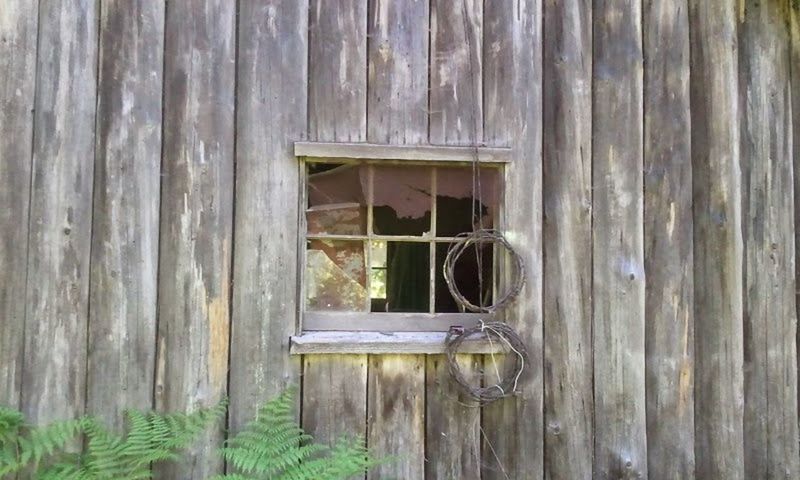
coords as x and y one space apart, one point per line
452 426
618 249
396 414
54 372
335 386
397 113
337 75
271 115
513 440
456 103
716 185
124 263
398 72
567 184
669 309
794 67
196 219
18 29
770 322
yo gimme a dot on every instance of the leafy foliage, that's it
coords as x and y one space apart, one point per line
150 438
273 447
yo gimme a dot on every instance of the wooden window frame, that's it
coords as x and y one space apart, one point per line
382 332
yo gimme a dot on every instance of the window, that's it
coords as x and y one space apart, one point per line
376 233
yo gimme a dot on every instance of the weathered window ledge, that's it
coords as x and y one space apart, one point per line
414 153
386 343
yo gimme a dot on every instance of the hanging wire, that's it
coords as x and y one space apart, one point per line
479 237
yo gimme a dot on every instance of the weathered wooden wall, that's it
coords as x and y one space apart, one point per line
150 196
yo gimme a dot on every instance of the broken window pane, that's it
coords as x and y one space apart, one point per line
336 199
402 200
336 276
466 277
454 187
407 277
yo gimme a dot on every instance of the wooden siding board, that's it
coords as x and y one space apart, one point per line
716 185
396 415
337 76
397 99
335 386
54 372
456 100
18 64
124 263
452 429
271 115
196 220
618 250
513 440
669 308
770 330
794 63
567 184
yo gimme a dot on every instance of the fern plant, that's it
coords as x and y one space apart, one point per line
149 438
25 447
273 447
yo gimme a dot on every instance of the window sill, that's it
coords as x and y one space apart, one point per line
385 343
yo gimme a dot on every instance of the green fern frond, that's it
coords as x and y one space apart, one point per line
273 447
22 445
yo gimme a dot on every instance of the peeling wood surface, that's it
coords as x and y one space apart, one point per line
57 299
271 114
620 448
514 448
567 230
770 327
18 29
717 241
124 263
668 248
396 414
335 386
196 220
685 170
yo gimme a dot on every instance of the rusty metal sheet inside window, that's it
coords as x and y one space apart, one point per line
377 235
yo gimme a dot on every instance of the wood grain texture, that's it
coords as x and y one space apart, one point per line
770 322
57 299
396 415
397 98
337 76
396 113
716 185
513 442
124 263
456 100
335 386
794 67
669 300
567 184
18 29
387 343
452 430
452 421
196 220
427 153
334 396
620 447
271 115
